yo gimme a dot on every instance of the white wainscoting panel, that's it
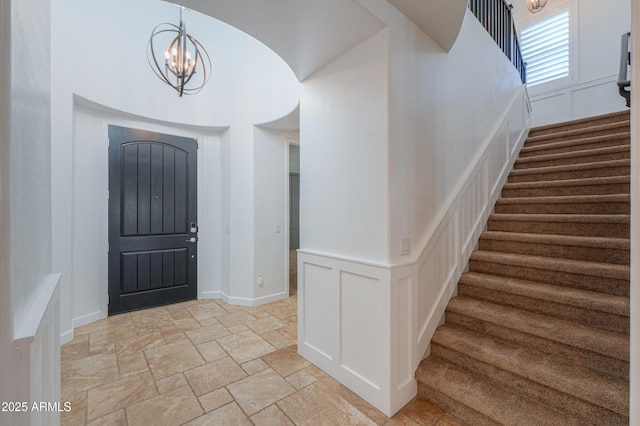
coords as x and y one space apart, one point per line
344 326
360 341
319 308
575 101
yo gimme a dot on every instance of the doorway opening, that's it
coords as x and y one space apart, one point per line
294 216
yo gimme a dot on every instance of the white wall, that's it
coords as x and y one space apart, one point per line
6 310
596 27
249 85
343 152
398 140
30 154
439 122
90 205
271 184
25 196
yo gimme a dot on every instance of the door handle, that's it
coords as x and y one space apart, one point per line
192 240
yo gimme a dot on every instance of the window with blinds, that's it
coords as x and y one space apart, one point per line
545 48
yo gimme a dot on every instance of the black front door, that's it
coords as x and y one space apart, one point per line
152 219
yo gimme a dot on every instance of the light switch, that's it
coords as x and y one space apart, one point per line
405 247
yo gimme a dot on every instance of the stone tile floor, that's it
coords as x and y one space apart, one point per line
205 362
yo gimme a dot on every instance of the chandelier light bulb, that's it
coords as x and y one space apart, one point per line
535 6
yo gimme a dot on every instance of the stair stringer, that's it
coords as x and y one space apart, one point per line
447 246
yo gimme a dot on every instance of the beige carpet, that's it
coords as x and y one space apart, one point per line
539 331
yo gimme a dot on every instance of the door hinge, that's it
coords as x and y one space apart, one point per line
108 299
108 247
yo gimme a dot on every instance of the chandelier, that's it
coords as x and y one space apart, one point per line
186 66
535 5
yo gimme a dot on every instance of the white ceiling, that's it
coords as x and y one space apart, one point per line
440 20
307 34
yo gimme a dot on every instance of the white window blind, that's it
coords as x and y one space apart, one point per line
545 48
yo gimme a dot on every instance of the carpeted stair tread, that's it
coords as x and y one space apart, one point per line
611 219
581 383
478 402
562 223
578 247
589 308
591 300
603 270
566 240
572 171
574 157
607 185
601 277
579 133
592 204
614 345
604 180
592 142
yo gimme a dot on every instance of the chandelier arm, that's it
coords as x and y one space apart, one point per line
200 49
155 67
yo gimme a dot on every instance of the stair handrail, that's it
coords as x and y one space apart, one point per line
624 84
496 17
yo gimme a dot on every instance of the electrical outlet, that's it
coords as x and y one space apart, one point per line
260 280
277 228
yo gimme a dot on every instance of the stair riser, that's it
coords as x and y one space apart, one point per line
542 150
564 208
610 119
581 357
589 229
551 191
578 159
586 253
560 137
588 317
571 174
454 407
586 411
606 285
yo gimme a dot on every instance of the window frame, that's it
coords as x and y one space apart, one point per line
551 9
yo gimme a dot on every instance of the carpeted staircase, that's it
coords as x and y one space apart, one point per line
539 331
